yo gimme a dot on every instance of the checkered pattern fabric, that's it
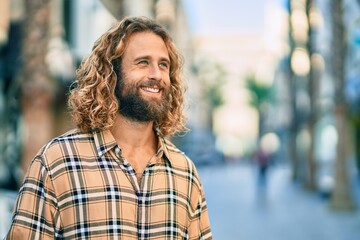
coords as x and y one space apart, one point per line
78 187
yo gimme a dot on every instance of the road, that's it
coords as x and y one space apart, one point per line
280 210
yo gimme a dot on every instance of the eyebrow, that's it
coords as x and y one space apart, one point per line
162 59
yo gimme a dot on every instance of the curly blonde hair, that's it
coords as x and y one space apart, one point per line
93 103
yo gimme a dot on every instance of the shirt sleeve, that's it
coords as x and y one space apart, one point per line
199 227
35 215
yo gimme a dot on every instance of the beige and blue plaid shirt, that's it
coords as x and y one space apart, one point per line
79 187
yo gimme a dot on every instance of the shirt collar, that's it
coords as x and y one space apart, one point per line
162 146
105 141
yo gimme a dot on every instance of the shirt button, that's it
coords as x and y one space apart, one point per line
117 151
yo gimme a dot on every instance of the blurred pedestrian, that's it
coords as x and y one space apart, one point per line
117 176
262 158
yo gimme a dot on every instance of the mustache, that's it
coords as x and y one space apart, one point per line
152 83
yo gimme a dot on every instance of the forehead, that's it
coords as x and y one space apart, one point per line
146 42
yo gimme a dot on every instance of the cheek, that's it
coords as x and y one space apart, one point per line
169 90
168 87
167 80
128 82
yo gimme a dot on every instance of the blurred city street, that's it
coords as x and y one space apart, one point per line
266 80
241 209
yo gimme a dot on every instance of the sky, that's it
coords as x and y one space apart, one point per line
225 16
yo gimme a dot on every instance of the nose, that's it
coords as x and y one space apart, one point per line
154 72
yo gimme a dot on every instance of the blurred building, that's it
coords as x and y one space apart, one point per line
85 20
242 53
74 26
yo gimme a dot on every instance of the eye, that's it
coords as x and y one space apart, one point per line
164 65
143 62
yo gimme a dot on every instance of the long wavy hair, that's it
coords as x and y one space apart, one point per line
92 101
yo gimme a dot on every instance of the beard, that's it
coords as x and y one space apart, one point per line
134 107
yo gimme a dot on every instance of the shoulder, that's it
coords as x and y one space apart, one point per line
185 173
179 160
175 154
71 137
172 148
63 145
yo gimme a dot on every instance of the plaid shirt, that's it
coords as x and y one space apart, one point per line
79 187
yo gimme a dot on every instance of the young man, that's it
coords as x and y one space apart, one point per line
116 176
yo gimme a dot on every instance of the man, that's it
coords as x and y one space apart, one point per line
116 176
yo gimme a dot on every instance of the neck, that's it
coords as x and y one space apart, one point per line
133 135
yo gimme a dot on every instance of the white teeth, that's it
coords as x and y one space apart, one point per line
153 90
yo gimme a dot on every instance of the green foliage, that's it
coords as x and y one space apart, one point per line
212 76
260 92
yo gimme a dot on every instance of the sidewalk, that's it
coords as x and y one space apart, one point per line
241 210
7 200
281 210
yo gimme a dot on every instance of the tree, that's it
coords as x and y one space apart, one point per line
212 77
37 88
260 97
312 92
341 196
292 86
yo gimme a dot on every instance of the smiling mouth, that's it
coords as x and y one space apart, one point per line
151 89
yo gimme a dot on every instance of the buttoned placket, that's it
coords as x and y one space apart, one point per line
142 192
127 168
